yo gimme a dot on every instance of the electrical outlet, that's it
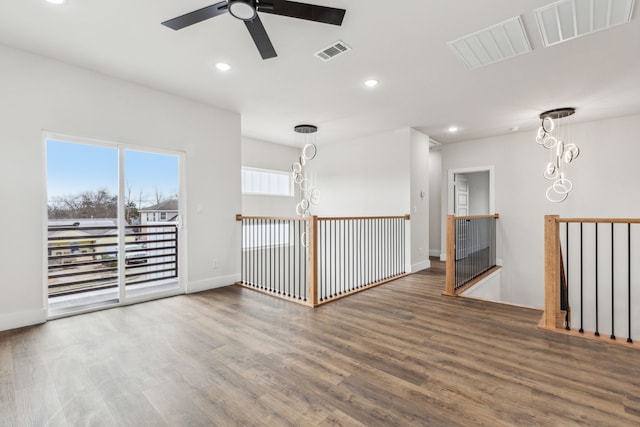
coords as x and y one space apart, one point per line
214 264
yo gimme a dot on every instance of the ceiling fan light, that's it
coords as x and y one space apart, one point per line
242 9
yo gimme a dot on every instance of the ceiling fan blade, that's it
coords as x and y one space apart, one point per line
310 12
196 16
260 38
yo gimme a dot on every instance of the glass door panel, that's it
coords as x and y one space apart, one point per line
82 232
153 222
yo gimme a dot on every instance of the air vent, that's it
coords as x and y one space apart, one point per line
330 52
568 19
494 44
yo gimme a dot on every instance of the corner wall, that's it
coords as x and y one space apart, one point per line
41 94
419 201
380 175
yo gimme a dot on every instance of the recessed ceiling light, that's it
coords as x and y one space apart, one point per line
371 83
222 66
453 129
56 1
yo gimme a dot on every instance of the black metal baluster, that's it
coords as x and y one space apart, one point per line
597 333
289 263
254 258
327 264
629 340
302 286
613 335
243 257
566 315
263 255
581 330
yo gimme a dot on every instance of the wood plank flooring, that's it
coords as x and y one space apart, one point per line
399 355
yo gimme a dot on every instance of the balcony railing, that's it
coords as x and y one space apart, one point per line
85 258
316 260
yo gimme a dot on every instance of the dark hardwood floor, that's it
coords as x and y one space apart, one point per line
399 354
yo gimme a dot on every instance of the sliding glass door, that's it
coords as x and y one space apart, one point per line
113 226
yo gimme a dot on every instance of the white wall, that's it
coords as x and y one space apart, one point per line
266 155
435 204
419 201
380 175
40 94
605 176
363 177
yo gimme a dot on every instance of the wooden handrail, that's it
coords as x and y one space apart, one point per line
601 220
477 216
344 218
240 217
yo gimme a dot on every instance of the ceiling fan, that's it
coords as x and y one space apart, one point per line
247 11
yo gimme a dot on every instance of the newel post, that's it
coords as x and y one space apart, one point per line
551 271
312 254
450 263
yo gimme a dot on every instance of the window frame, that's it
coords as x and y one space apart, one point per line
289 176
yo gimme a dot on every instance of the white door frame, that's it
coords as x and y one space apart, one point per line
450 198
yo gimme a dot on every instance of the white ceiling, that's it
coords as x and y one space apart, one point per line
403 44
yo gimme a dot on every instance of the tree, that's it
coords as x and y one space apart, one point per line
87 204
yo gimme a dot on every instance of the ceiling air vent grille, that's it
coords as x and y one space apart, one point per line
493 44
332 51
568 19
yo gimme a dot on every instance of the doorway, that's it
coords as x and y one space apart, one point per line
113 224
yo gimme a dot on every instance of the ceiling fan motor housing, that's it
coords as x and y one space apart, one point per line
244 10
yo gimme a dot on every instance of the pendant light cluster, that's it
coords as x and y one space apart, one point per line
555 136
309 194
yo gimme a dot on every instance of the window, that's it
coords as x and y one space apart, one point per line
266 182
163 216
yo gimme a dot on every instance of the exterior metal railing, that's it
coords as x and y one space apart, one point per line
85 258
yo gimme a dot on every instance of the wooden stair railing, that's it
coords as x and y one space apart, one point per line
338 256
454 284
601 253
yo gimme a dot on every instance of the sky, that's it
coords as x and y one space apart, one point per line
74 168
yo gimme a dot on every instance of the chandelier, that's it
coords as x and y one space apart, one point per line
309 194
555 136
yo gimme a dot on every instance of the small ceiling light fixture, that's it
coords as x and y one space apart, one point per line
57 2
371 83
515 129
222 66
242 9
554 137
453 129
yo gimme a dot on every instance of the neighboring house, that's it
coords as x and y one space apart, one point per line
64 238
166 211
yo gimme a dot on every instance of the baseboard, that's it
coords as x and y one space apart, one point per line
212 283
22 318
419 266
434 252
443 257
